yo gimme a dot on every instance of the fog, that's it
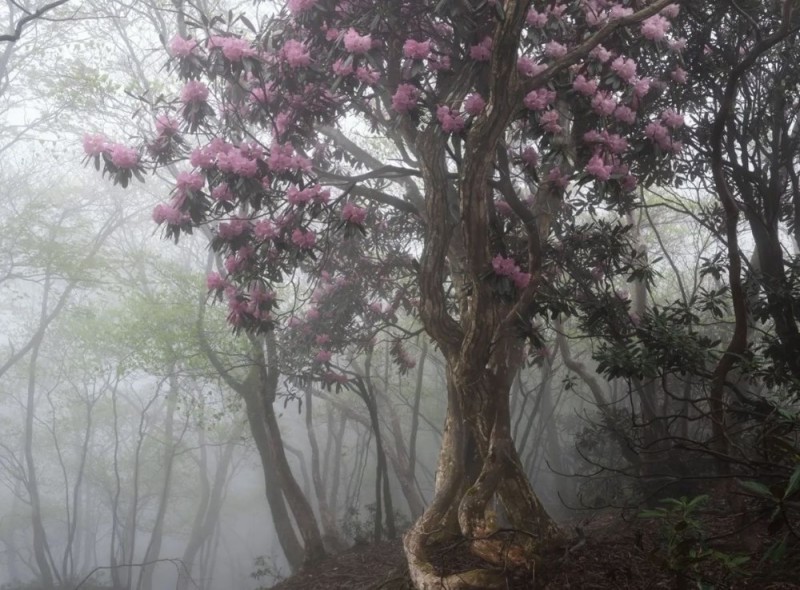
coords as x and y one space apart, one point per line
230 353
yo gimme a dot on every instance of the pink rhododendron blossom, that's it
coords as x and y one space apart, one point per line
624 68
527 67
584 86
598 168
180 47
322 339
222 192
299 197
355 43
342 67
482 51
265 230
202 158
235 49
299 6
600 53
262 95
557 10
215 282
536 19
671 11
367 75
618 11
539 99
655 27
233 228
353 213
166 125
282 158
305 240
170 214
679 75
439 63
237 163
94 144
417 50
549 121
405 98
672 119
555 49
625 114
296 54
194 92
323 356
507 267
450 121
190 181
474 104
659 134
641 87
331 377
603 104
123 157
677 45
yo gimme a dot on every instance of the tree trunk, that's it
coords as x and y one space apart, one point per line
287 537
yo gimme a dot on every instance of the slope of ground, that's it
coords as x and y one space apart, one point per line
608 553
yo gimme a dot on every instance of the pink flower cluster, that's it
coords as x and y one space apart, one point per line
417 50
353 213
655 28
482 51
304 239
299 6
615 142
265 230
166 125
123 157
233 228
584 86
299 197
624 68
235 49
234 161
355 43
598 168
474 104
536 19
170 214
282 158
549 120
539 99
190 181
94 144
405 98
529 68
323 356
194 92
507 267
296 54
451 121
180 47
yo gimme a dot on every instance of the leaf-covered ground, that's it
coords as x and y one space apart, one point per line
609 552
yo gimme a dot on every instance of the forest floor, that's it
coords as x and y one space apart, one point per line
607 552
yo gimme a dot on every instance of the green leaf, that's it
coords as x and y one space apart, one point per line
794 484
757 488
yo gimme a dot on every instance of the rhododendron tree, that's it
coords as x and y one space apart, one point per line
503 121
